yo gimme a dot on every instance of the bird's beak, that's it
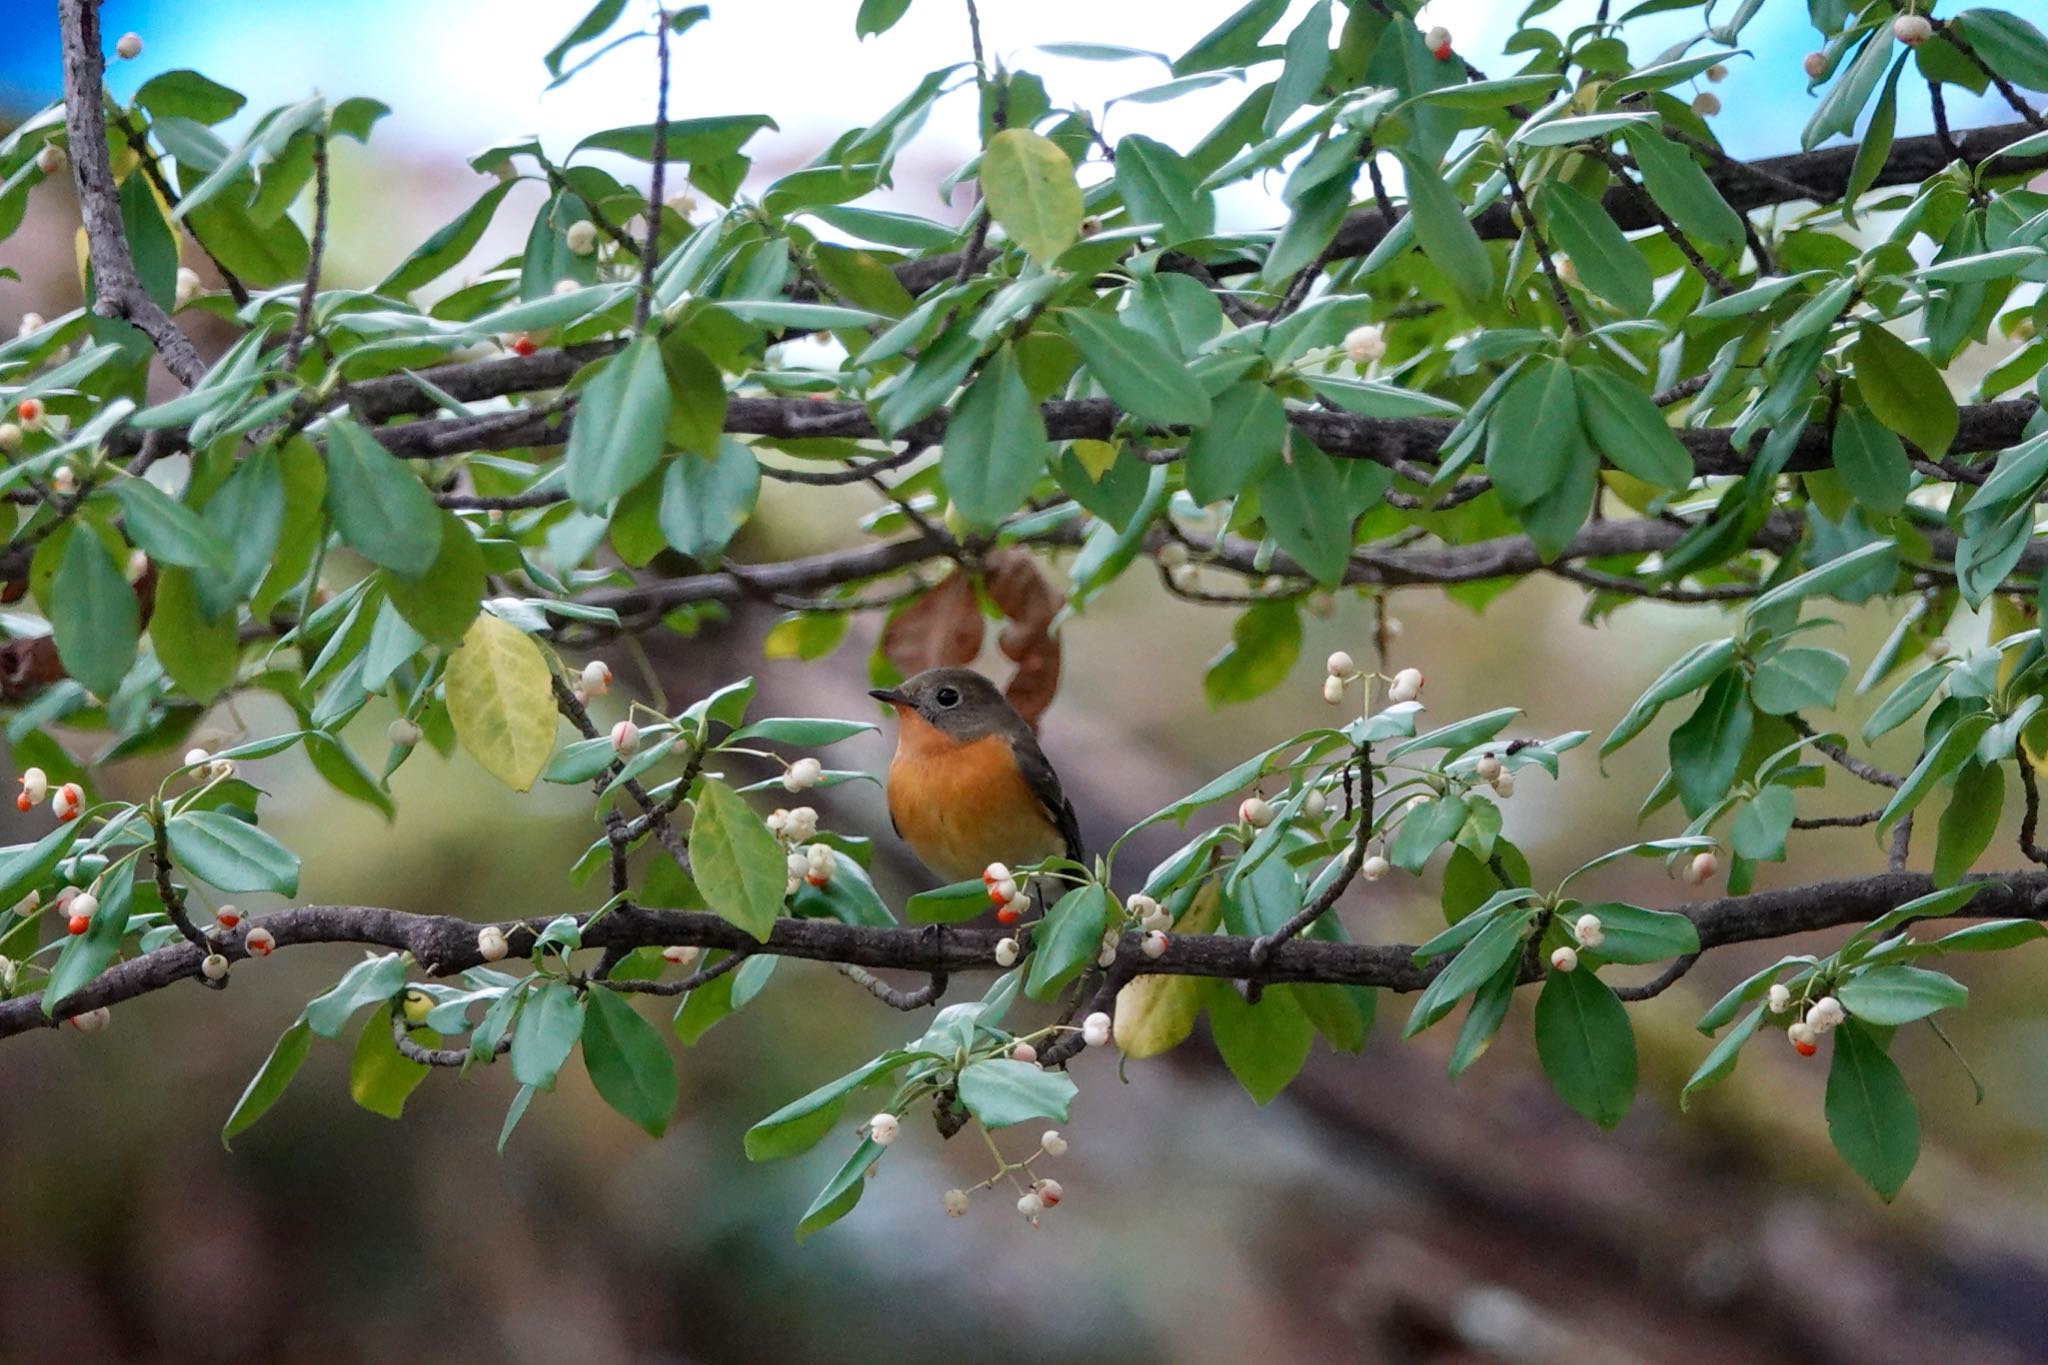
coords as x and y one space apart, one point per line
888 695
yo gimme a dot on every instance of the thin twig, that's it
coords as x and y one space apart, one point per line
650 252
1557 290
302 323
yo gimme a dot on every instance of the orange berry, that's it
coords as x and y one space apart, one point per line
523 345
1009 914
31 409
78 924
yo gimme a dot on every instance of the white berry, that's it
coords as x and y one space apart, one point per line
129 46
1155 945
1487 769
582 237
35 784
260 942
1703 866
1006 952
491 943
1314 804
1591 933
803 774
884 1128
597 678
1095 1029
681 954
1407 685
50 159
1816 65
956 1203
626 738
195 758
1024 1052
1030 1205
1706 104
1825 1015
1375 867
1778 999
214 968
10 436
1365 344
1912 29
1256 811
189 285
402 733
1565 958
1333 691
1049 1192
1052 1142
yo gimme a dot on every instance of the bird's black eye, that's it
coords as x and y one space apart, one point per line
947 696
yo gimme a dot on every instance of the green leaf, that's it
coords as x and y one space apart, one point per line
706 499
1629 430
1067 939
1533 433
1264 1045
1445 234
1001 1092
85 956
1483 1020
187 94
1425 829
2009 45
593 24
1892 995
1970 821
1870 1113
1246 430
1721 1060
802 1123
995 448
1689 673
1499 938
1609 265
738 863
501 701
952 904
442 603
370 981
1264 643
1030 188
1797 678
628 1062
381 509
1306 62
1301 500
1139 373
1586 1045
841 1192
231 854
1706 748
1635 935
171 532
380 1077
620 427
1235 41
93 614
444 250
267 1086
27 866
1682 188
1871 462
200 656
1158 185
549 1024
1948 754
1760 829
1904 389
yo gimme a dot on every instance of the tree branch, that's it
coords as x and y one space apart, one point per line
444 944
118 290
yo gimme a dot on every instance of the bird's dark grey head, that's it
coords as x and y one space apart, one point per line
958 701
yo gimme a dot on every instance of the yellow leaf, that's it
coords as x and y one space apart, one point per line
1155 1014
501 702
1096 457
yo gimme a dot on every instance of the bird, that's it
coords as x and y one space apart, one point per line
969 785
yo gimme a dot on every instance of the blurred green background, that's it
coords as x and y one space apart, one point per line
1375 1212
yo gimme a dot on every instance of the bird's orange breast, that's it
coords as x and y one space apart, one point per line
961 807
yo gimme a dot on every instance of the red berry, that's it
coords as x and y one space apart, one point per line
1806 1049
1009 914
815 880
22 803
78 924
1443 54
31 409
523 344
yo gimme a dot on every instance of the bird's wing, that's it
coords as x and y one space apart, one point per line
1045 785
